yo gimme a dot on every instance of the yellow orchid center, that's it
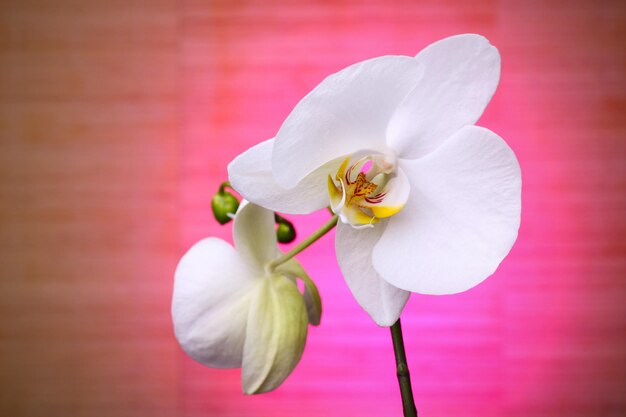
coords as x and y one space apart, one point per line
360 191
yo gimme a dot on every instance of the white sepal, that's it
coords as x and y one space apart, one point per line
254 233
381 300
212 292
251 175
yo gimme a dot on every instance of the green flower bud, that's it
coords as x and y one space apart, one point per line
224 204
285 232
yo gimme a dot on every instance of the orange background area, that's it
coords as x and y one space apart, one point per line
117 121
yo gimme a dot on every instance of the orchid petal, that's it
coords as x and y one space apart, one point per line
251 175
212 291
461 219
382 301
461 74
347 112
254 234
275 336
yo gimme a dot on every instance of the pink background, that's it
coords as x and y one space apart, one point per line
117 121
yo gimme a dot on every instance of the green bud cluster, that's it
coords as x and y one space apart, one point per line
224 205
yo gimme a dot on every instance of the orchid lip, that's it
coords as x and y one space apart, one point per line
359 190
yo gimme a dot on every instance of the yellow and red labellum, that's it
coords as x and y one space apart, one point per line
357 192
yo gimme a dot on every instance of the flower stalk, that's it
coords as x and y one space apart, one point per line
402 370
326 227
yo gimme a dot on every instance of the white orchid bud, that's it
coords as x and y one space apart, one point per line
231 311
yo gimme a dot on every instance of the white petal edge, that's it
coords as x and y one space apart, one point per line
275 336
461 219
212 292
461 74
347 112
251 175
382 301
254 234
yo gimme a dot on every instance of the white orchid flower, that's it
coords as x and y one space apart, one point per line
428 202
231 309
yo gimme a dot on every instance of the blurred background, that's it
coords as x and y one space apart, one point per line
117 121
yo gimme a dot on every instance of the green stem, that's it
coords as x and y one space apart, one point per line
404 378
327 227
280 219
223 186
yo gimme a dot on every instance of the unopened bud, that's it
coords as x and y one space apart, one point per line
224 205
285 232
